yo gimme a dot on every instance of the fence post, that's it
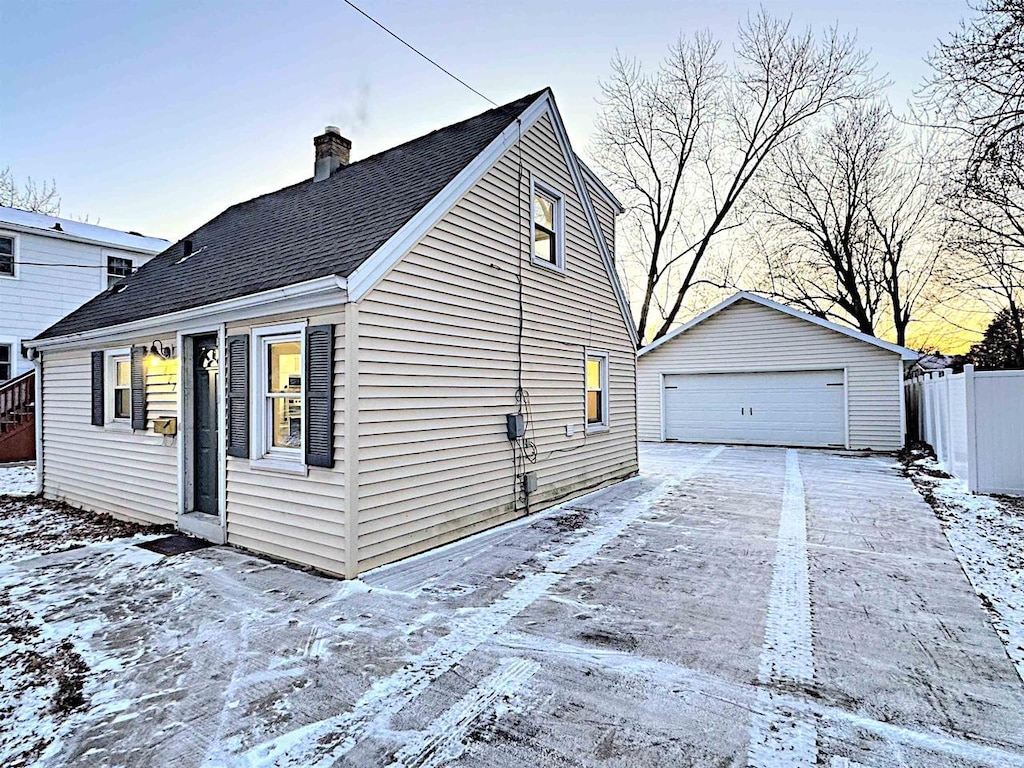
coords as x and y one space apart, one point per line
972 436
947 419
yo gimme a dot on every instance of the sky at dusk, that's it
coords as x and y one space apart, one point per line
155 116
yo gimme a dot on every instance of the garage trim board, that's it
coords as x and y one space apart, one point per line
744 408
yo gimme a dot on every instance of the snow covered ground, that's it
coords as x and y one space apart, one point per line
17 479
732 606
987 534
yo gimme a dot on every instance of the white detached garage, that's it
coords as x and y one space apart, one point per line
753 371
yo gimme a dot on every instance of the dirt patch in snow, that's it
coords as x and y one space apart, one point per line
32 526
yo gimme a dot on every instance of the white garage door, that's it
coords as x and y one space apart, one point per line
805 408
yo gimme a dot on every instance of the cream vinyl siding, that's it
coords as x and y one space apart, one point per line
293 516
437 368
131 475
605 216
749 337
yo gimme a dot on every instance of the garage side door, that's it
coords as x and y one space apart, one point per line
804 408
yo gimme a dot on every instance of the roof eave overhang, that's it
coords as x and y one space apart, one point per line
311 294
41 232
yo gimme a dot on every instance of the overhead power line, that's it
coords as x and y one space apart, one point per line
420 53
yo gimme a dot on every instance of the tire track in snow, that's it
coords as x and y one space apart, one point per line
323 743
779 735
444 739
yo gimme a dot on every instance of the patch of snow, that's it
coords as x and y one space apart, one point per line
779 736
18 480
987 535
444 739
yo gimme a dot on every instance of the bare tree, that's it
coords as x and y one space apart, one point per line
977 95
852 214
30 196
682 144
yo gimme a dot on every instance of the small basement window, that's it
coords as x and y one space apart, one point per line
120 376
548 215
6 361
597 390
7 256
118 268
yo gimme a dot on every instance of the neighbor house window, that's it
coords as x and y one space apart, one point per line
118 269
6 361
282 395
597 390
548 226
6 256
120 377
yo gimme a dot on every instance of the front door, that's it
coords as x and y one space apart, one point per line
205 439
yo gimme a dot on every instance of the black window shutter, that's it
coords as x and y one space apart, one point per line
319 411
97 389
139 388
238 396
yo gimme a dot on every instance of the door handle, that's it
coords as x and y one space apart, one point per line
743 411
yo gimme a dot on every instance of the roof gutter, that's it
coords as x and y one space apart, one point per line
312 294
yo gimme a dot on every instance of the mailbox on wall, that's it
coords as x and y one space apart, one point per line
165 426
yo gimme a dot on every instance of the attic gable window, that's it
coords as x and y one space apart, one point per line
6 256
548 215
118 268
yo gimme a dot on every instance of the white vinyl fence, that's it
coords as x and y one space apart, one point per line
975 422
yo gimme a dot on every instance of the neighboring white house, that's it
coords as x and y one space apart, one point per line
388 356
50 266
752 371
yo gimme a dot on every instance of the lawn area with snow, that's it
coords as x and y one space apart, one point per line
987 535
17 479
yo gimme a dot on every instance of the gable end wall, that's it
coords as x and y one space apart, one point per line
438 368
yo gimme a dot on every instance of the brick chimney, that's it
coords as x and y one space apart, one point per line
332 151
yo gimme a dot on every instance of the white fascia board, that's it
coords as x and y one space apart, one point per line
312 294
903 352
371 271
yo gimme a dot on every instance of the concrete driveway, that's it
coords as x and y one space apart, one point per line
731 607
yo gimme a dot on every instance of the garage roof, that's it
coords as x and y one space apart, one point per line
903 352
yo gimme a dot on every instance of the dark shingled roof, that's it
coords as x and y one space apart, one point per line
299 233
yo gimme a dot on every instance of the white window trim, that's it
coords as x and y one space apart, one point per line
13 362
105 266
538 185
288 460
109 379
605 423
17 258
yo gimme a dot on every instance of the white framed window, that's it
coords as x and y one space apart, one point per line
278 396
547 217
119 386
8 256
6 362
118 268
597 390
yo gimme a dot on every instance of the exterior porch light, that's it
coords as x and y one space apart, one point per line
158 351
